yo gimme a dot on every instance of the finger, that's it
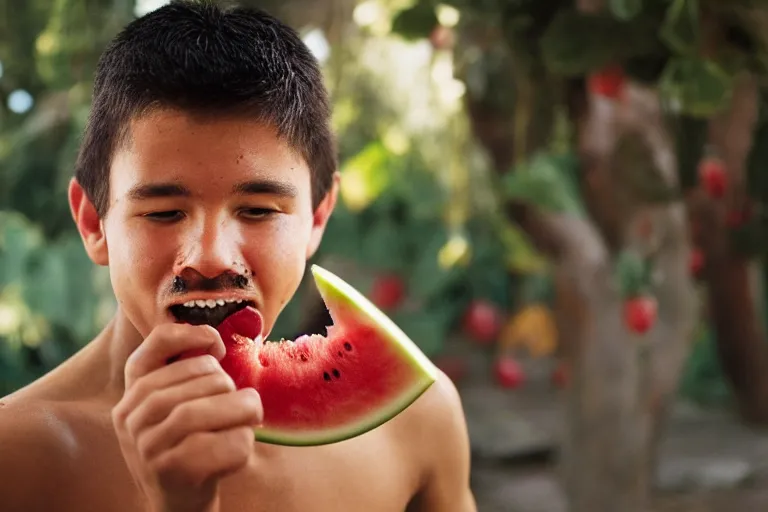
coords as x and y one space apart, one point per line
239 409
170 340
168 376
158 405
205 456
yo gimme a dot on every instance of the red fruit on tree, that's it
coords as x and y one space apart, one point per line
713 177
608 82
482 321
696 261
640 313
508 372
388 292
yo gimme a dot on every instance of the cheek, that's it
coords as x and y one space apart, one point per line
140 252
278 262
139 264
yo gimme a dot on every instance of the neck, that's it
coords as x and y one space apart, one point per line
118 340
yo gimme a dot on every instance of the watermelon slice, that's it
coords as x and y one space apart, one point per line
320 390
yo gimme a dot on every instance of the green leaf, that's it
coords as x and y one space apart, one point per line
680 30
416 22
632 273
546 182
366 176
18 238
519 253
625 10
45 286
700 87
342 233
428 329
427 277
384 247
576 43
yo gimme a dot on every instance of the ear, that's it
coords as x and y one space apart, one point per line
88 224
321 215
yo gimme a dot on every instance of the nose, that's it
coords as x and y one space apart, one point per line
211 250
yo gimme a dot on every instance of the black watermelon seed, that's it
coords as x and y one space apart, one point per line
326 376
336 373
348 346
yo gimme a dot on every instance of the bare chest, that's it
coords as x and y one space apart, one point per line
367 473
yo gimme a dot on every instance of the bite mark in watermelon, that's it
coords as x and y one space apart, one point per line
325 389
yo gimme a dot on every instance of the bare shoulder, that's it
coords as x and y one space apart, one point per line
439 410
435 435
436 423
36 453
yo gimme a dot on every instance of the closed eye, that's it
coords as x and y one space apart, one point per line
257 213
166 216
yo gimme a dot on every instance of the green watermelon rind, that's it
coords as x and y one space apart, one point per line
338 295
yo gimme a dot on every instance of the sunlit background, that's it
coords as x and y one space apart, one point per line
435 105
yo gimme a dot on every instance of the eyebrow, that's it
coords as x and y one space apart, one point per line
154 190
273 187
158 190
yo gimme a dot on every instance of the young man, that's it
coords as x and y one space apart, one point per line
207 171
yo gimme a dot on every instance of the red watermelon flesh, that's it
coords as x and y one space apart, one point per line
323 389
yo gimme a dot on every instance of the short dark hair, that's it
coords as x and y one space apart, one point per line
209 60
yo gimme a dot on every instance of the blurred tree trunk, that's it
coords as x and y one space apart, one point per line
732 283
621 384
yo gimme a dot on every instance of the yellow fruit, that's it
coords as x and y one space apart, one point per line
532 328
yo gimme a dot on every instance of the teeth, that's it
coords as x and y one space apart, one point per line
210 303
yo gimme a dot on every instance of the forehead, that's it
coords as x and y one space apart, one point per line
203 154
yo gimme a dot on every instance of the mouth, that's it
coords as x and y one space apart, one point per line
207 311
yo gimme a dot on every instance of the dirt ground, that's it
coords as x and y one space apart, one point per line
709 461
533 488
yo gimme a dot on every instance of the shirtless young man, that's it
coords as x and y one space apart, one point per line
207 170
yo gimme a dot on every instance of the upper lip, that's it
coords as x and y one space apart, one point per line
219 296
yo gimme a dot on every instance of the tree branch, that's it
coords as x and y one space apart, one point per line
732 307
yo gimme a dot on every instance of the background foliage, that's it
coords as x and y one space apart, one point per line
419 199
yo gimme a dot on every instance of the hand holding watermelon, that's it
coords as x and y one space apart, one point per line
172 417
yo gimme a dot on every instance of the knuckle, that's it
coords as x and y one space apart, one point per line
208 332
237 445
172 330
223 382
181 415
210 362
251 400
175 468
201 365
141 388
143 450
119 414
145 447
165 467
148 411
245 440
